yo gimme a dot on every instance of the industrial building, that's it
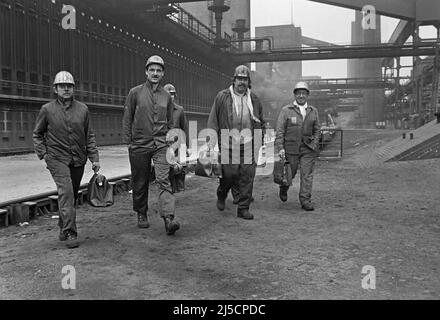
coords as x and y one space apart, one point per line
201 43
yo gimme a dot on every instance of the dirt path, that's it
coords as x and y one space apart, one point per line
386 216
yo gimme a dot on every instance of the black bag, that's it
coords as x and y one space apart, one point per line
210 167
282 173
99 191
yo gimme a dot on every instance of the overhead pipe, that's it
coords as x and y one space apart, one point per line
256 40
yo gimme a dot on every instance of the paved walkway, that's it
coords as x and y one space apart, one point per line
25 175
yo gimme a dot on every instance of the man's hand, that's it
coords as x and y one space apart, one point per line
96 166
282 154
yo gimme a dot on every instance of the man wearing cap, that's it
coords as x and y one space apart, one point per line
297 141
177 172
64 138
148 115
237 110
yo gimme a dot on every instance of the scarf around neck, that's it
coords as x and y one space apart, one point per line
236 103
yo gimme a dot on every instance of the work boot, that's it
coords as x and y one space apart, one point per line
71 241
221 204
308 207
143 221
62 236
171 226
283 194
244 214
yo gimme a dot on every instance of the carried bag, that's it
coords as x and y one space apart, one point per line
99 191
282 173
209 166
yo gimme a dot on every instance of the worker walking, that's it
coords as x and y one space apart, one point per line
64 138
297 141
148 116
177 171
237 109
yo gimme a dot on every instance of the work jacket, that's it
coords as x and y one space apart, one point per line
148 115
292 129
221 116
180 121
65 133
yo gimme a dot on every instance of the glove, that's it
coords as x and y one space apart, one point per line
96 166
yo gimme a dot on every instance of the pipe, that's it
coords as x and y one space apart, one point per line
269 40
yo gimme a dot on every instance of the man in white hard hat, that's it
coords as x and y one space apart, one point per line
237 109
148 116
297 141
177 171
64 138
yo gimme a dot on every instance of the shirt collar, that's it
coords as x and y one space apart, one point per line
150 86
303 106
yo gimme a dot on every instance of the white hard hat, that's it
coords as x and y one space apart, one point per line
169 87
155 60
63 77
301 85
242 71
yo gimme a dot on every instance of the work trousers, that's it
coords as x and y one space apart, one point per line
68 180
239 178
140 164
177 181
306 162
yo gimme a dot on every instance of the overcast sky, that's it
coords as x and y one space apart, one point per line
322 22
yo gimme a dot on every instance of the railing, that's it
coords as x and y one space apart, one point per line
192 24
329 148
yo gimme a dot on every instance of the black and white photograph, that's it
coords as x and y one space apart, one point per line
219 156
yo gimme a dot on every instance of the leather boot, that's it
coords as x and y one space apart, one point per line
244 214
171 226
143 221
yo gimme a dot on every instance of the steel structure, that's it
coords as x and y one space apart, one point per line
424 48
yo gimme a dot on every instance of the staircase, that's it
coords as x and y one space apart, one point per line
423 145
428 149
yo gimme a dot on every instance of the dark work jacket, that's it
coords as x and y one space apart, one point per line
291 129
180 121
148 115
65 133
221 114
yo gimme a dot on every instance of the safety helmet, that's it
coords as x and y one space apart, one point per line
242 71
155 60
63 77
301 85
170 88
